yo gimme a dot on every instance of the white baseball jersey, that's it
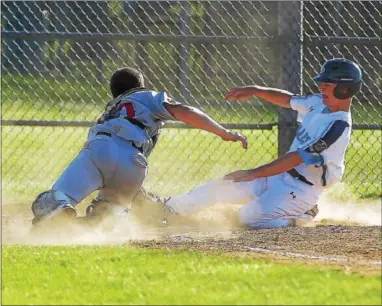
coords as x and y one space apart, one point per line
274 201
324 133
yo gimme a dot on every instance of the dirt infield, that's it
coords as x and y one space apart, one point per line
340 245
355 248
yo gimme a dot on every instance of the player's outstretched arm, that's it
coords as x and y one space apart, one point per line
272 95
198 119
282 164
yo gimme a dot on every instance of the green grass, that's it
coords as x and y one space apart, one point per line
121 275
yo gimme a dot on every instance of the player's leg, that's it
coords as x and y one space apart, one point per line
122 185
281 221
285 203
217 191
53 204
85 174
78 180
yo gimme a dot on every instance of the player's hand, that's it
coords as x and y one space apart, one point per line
239 94
235 136
241 176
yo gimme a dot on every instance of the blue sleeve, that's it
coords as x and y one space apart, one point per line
311 158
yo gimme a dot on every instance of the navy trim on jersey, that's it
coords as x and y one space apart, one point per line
331 136
335 132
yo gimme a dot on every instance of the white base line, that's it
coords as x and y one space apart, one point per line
265 251
185 236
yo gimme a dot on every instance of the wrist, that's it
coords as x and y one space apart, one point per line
223 132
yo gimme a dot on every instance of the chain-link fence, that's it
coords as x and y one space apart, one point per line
57 57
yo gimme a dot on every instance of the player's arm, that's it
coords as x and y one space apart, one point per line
317 154
282 164
198 119
272 95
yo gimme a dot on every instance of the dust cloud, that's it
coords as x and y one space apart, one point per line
148 221
350 212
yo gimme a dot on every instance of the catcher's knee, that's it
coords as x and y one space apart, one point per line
51 202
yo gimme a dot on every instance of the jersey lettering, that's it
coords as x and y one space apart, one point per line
302 135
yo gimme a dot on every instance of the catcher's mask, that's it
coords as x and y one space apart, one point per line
346 74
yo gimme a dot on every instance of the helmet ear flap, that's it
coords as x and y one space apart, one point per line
344 91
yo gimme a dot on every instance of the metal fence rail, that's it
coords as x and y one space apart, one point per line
57 57
168 125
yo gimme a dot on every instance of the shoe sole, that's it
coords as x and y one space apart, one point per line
61 215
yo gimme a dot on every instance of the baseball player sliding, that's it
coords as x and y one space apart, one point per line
114 157
285 191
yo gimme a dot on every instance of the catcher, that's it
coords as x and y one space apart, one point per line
114 157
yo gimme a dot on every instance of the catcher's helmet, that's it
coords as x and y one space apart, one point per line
343 72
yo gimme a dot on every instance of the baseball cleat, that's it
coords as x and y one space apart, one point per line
62 213
53 205
105 215
313 211
306 217
168 208
159 200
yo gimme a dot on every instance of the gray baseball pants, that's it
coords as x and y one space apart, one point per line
109 164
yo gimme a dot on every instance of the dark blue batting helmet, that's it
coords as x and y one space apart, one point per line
343 72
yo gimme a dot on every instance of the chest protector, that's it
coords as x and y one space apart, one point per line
122 108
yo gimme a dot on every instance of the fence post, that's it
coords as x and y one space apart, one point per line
290 26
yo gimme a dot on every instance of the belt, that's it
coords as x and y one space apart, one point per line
293 172
109 135
103 133
136 122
